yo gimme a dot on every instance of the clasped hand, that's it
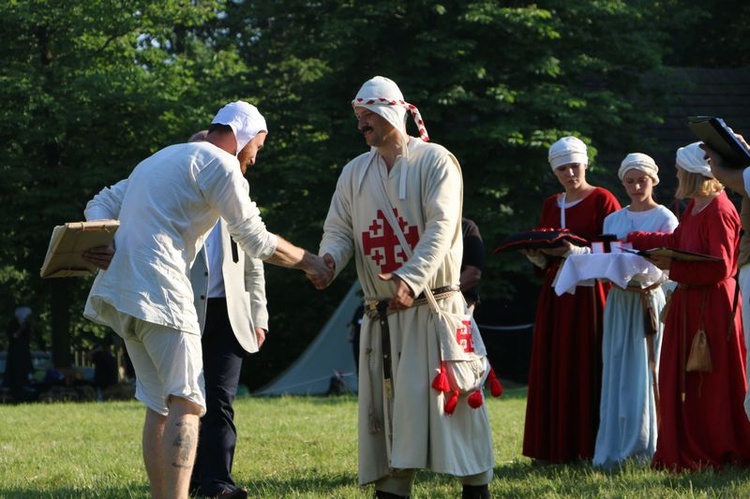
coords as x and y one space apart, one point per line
320 270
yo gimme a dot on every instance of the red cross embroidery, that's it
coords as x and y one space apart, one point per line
382 246
463 336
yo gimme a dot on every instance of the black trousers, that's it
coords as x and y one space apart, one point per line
222 363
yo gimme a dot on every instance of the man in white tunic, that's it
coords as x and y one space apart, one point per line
405 428
166 208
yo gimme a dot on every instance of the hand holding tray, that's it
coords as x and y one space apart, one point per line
675 254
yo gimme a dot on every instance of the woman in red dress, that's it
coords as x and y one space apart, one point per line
562 413
703 423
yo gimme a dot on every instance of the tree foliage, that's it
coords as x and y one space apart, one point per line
89 89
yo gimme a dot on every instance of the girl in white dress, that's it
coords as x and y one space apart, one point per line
628 420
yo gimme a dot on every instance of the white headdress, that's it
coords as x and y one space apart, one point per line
383 97
22 314
244 119
639 161
567 150
692 158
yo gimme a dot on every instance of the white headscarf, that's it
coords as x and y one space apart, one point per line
639 161
244 119
383 97
22 313
692 158
567 150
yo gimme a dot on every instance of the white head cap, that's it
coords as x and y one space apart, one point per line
383 97
692 158
244 119
639 161
22 313
567 150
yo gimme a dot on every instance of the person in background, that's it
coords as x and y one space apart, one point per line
472 262
562 412
703 424
18 363
403 426
166 208
105 367
738 179
630 346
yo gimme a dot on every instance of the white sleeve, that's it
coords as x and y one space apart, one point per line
224 188
107 203
338 237
746 180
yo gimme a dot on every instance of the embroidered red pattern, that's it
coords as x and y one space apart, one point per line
381 243
463 336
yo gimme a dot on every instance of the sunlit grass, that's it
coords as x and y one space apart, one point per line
296 447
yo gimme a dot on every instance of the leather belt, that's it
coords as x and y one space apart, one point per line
385 333
638 289
373 306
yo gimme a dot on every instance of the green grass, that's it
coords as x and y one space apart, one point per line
296 447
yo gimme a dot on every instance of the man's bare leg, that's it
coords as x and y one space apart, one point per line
153 434
178 447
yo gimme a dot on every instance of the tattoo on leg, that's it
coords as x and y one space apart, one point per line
185 443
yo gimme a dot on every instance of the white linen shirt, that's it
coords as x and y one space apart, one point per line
166 207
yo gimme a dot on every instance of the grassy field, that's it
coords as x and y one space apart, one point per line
295 447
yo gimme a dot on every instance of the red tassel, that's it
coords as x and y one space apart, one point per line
496 388
476 399
440 383
451 403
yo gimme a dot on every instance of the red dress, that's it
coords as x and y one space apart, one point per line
562 412
703 422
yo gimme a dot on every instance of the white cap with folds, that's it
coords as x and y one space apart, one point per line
22 313
244 119
383 97
567 150
639 161
692 158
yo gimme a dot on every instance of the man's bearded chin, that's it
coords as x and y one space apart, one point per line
365 129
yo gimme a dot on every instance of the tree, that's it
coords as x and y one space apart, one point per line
706 33
89 88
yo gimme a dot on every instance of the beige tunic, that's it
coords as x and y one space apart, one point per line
425 190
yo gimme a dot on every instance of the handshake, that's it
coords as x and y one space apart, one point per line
319 269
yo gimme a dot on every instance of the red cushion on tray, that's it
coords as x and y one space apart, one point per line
539 238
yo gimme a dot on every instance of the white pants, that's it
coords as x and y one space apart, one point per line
167 362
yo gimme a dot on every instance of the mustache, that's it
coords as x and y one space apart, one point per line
365 129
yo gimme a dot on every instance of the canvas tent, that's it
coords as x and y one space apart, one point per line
329 352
